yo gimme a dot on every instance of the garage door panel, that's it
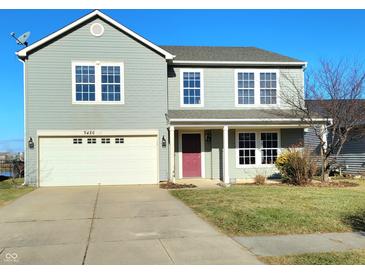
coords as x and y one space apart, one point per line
63 163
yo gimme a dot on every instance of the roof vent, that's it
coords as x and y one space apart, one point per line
97 29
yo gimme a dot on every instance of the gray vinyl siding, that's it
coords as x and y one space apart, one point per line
214 155
351 158
219 86
311 141
49 89
292 137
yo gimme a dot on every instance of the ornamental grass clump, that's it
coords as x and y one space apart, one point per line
260 180
296 166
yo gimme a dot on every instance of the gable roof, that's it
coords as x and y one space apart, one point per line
25 52
229 55
183 55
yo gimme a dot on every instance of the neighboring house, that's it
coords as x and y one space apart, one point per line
352 156
2 156
103 105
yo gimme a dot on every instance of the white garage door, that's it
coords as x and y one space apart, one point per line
74 161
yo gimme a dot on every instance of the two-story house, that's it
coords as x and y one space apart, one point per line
103 105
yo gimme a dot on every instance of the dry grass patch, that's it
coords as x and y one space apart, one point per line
353 257
11 190
279 209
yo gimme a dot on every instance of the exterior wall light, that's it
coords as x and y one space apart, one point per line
163 142
30 143
208 137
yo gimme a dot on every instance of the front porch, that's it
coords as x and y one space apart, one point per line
228 152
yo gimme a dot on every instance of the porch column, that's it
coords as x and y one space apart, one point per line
225 156
172 154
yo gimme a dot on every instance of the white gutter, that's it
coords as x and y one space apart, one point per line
253 63
245 120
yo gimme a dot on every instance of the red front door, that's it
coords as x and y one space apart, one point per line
191 155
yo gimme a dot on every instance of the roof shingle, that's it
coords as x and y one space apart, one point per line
243 54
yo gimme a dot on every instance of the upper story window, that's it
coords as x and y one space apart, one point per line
110 83
246 88
97 83
268 87
85 83
256 87
191 88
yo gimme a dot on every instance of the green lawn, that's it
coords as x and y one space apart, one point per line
255 210
10 190
352 257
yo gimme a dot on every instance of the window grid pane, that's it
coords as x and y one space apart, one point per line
85 83
77 141
246 88
110 83
268 87
246 147
119 140
269 151
191 86
105 140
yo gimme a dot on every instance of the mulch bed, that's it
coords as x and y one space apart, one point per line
176 186
340 184
334 184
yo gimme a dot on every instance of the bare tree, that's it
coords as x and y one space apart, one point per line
333 110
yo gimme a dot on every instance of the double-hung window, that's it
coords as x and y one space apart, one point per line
268 88
256 148
110 83
85 83
269 150
246 88
97 83
256 87
247 148
191 88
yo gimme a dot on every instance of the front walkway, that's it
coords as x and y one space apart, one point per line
200 183
303 243
110 225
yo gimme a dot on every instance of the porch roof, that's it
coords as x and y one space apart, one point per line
240 116
229 114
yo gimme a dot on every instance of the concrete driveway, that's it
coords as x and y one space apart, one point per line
110 225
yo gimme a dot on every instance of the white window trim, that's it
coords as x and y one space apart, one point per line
258 148
97 65
257 102
182 87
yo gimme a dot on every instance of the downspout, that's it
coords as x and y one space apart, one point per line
24 122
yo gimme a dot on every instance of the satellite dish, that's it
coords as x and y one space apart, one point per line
22 39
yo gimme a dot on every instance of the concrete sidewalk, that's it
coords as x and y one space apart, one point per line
302 243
